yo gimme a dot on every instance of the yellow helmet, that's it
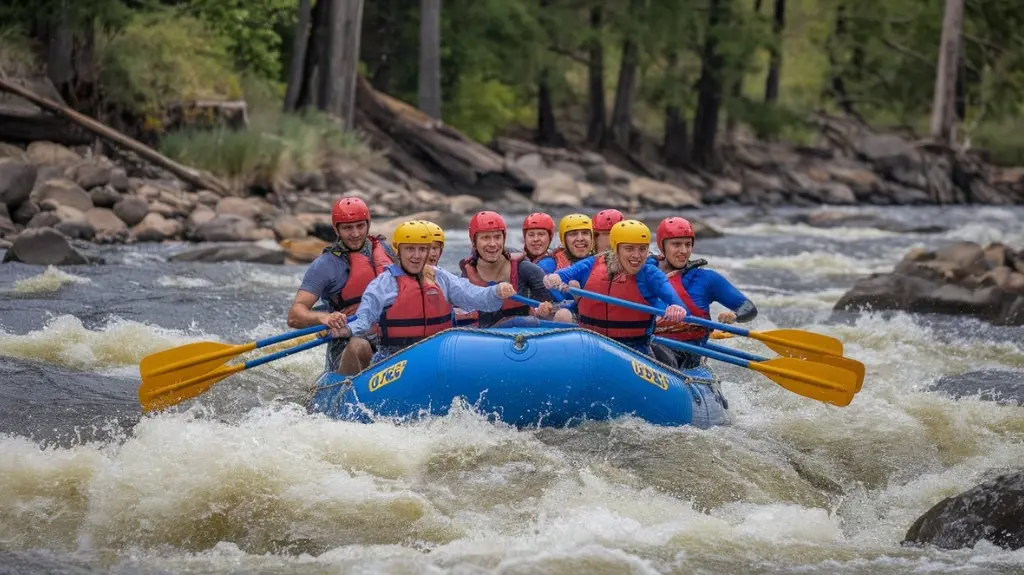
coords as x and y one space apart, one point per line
629 232
574 222
415 232
435 231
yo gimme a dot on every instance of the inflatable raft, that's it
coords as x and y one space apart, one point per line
525 373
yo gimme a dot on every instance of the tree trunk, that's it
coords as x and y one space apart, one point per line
316 49
382 46
622 109
59 66
547 130
771 84
675 146
836 85
430 58
595 80
709 88
297 65
341 69
944 101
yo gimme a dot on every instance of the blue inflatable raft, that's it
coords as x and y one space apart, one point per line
524 372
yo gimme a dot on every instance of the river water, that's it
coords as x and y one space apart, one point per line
243 480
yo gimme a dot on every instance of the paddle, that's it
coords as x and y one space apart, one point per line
813 380
781 341
154 396
841 362
187 361
826 383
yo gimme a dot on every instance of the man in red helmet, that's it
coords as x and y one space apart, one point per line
339 277
697 287
603 222
491 263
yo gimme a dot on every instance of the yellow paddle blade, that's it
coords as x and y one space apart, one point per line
818 381
779 340
841 362
184 362
155 397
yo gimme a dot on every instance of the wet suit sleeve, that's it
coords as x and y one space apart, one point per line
379 294
656 289
722 291
531 282
464 294
579 271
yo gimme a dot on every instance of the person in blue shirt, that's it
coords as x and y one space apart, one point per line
338 277
622 272
697 287
413 300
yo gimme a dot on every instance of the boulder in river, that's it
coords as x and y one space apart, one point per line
253 253
992 511
43 247
959 279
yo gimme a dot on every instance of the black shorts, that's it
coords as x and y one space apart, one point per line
337 346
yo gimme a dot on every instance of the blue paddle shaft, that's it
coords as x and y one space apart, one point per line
286 352
525 300
655 311
290 335
731 351
698 350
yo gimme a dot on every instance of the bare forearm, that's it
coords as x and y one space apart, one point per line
300 316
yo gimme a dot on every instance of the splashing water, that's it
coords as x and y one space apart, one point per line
245 480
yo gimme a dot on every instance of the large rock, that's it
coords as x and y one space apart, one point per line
104 220
64 192
131 209
155 228
104 197
663 195
992 511
16 181
304 250
955 280
76 229
225 228
242 207
43 247
253 253
25 212
289 227
89 173
558 190
51 154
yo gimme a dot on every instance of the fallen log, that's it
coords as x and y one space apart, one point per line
197 178
433 152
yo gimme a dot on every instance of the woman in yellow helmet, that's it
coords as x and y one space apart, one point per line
624 273
413 300
438 248
576 232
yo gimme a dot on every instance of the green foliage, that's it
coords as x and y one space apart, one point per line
1004 141
158 60
270 148
480 108
252 29
17 56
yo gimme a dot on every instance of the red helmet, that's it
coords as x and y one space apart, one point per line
486 222
674 227
539 221
348 210
605 219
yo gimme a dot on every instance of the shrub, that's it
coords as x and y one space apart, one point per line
271 148
161 58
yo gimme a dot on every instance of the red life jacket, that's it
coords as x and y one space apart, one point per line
617 322
419 311
684 331
510 308
361 271
562 260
